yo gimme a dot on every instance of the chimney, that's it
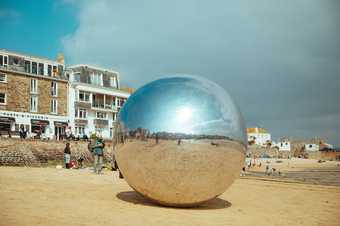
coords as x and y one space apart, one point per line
60 58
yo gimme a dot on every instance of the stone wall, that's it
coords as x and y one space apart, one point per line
257 151
16 152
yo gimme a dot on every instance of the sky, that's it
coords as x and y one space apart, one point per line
279 60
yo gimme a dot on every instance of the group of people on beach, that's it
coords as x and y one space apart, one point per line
96 147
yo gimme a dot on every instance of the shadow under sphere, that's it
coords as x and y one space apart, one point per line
180 141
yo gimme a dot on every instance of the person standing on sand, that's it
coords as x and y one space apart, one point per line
98 150
67 155
267 169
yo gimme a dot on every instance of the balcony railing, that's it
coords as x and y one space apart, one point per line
104 106
81 104
101 122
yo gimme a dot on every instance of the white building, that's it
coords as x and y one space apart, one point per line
95 98
283 145
259 136
312 147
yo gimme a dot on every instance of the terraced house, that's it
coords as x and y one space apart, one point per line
33 93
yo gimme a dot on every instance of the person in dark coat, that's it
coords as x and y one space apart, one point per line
67 155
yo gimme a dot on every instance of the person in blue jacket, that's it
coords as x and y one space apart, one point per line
98 151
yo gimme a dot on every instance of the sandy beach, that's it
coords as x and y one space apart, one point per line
48 196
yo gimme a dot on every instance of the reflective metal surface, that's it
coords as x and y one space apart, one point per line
180 141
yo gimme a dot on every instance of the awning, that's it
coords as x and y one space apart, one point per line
7 120
39 122
62 124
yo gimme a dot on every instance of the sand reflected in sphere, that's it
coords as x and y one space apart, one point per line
180 140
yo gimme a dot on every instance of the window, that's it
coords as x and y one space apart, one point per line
113 101
15 60
113 82
54 70
96 79
41 69
27 66
80 130
2 98
34 68
3 77
114 116
49 70
111 132
99 130
33 103
76 77
25 126
60 69
3 60
34 86
101 115
54 105
84 96
81 113
54 88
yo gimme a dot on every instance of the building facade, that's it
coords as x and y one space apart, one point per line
311 147
33 94
258 136
283 145
95 97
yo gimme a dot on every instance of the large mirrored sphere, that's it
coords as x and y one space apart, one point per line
180 141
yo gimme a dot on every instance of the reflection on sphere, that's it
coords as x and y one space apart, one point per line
180 141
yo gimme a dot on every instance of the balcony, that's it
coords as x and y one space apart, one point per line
101 122
81 104
80 121
105 107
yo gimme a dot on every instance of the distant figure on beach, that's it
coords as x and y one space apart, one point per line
98 150
179 141
90 144
67 155
267 169
80 160
156 138
243 172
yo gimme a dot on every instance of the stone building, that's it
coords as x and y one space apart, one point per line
95 97
33 93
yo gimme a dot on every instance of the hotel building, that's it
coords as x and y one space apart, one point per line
33 93
95 97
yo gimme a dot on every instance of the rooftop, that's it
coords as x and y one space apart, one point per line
256 130
28 56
